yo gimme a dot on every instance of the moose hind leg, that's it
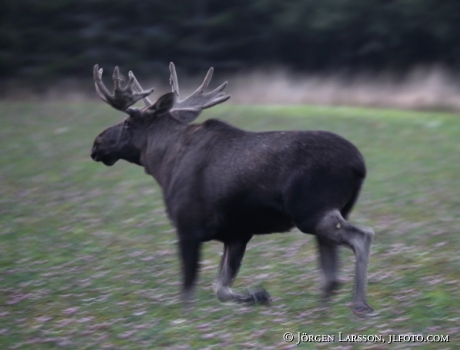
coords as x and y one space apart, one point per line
229 267
334 228
329 263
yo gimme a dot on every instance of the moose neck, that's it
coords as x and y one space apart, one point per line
165 139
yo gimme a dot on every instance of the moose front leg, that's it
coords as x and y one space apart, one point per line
229 267
190 255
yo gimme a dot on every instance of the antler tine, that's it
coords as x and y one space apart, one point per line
217 95
117 78
139 88
206 81
99 84
122 98
189 108
173 79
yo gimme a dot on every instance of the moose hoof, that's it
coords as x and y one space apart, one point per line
331 289
363 310
259 296
254 297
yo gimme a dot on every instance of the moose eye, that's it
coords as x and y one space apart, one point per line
126 124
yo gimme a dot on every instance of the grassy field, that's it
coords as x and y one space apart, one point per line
88 257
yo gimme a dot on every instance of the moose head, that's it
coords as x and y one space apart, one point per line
127 139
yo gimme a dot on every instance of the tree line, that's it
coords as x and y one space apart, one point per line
57 38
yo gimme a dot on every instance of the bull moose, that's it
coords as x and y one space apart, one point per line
226 184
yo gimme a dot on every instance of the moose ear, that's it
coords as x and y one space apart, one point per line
163 104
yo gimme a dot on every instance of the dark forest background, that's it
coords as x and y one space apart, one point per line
65 38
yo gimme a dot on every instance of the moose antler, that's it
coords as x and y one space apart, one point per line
122 97
189 108
186 110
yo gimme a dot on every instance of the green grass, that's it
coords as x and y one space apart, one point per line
88 258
